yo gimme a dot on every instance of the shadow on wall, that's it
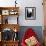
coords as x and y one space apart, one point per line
37 29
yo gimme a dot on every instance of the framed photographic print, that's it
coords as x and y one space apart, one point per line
5 12
30 13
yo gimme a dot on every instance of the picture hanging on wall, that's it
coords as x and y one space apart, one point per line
30 13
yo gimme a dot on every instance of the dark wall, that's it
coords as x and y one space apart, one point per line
37 29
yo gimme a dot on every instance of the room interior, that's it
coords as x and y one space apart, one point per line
16 16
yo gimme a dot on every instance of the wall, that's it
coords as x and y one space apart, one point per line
27 3
39 13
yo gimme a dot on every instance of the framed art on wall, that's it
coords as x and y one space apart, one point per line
5 12
30 13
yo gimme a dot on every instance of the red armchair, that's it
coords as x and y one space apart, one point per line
29 36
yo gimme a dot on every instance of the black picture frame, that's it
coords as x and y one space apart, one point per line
30 13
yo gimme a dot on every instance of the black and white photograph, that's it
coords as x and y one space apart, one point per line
30 13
